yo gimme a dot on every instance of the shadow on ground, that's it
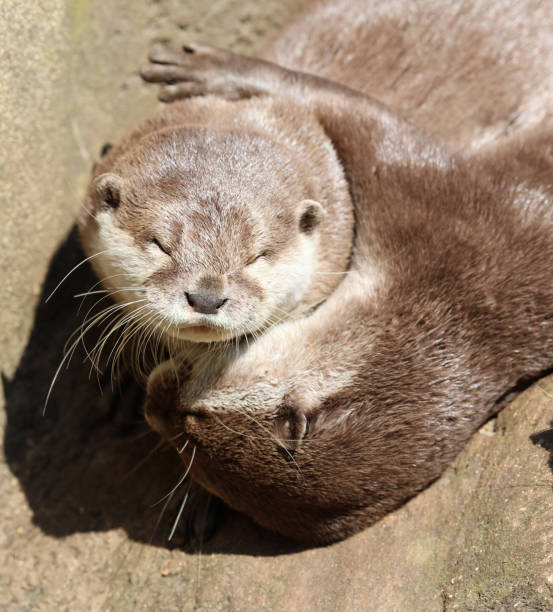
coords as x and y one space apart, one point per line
545 440
86 464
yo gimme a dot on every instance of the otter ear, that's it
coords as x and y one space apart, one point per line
290 425
311 214
108 188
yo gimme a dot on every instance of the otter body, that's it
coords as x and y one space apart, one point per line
327 422
468 72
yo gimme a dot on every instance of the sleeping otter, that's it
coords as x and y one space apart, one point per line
328 422
213 221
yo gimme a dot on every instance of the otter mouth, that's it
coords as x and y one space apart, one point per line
200 333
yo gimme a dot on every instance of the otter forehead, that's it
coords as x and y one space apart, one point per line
234 175
247 203
175 162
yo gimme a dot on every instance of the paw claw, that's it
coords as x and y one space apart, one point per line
196 48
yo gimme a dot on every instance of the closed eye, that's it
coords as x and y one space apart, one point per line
263 255
158 244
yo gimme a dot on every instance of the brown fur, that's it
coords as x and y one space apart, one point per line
329 422
469 72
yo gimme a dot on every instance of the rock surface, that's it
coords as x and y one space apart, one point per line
78 528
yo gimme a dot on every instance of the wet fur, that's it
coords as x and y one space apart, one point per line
327 423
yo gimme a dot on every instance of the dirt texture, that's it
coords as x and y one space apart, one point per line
81 522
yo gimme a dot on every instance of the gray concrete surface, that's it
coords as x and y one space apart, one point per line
77 526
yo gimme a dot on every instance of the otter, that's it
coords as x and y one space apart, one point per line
326 423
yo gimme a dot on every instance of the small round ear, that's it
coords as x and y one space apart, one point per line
291 425
311 214
108 188
106 149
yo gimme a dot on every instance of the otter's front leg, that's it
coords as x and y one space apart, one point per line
366 135
199 70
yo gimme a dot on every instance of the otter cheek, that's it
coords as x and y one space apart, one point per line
120 253
247 306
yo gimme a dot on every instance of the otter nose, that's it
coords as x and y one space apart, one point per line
206 304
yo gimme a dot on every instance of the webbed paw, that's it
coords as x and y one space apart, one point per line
199 70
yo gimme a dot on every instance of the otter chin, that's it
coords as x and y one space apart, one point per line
201 329
201 333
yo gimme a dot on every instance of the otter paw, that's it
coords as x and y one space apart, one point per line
197 70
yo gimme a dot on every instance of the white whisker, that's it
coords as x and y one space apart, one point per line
181 480
177 518
73 270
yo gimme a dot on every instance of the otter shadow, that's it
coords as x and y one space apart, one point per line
87 463
544 439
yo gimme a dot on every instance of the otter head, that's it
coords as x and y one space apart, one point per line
256 449
206 234
307 446
316 476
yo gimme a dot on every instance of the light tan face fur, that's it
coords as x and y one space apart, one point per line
205 246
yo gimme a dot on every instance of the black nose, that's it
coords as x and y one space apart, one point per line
206 304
